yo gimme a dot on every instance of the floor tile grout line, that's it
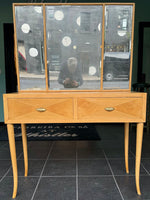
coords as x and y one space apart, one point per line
50 150
81 176
109 175
33 159
66 159
141 163
10 168
69 176
113 176
5 144
122 158
77 183
5 159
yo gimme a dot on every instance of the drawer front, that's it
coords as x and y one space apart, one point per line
39 110
111 109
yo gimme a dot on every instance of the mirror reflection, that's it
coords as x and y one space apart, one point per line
74 42
74 47
30 42
118 30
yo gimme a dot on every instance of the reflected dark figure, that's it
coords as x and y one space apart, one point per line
70 74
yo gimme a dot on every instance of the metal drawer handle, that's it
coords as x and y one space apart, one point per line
41 109
109 109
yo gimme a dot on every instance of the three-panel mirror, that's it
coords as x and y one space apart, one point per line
73 47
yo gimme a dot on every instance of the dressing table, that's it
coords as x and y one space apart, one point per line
98 37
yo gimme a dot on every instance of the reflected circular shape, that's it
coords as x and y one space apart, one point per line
121 33
92 70
59 15
74 47
99 27
109 76
25 28
66 41
33 52
78 21
38 9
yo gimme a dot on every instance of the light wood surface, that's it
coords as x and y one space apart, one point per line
76 94
75 107
65 90
126 142
132 39
16 50
11 137
123 109
139 139
28 110
25 150
45 46
102 48
68 3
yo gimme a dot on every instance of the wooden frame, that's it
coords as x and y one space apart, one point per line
102 46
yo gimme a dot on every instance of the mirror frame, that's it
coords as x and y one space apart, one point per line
45 47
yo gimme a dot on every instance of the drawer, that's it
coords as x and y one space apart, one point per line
42 110
111 109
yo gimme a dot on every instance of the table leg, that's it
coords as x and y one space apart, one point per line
11 137
148 112
25 151
126 146
139 139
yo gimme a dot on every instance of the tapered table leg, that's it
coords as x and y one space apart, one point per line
25 151
11 137
126 146
139 139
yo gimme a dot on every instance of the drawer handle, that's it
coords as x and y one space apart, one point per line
41 109
109 109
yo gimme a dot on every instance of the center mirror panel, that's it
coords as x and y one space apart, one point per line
74 47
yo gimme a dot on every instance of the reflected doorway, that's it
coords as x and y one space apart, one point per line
10 71
84 62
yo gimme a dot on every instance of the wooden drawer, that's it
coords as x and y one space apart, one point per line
111 109
75 107
39 110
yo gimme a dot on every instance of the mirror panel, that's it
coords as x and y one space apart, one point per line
117 48
30 47
73 43
74 47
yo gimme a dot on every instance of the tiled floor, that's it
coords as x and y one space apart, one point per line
77 170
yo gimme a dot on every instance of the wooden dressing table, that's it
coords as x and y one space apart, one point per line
104 96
